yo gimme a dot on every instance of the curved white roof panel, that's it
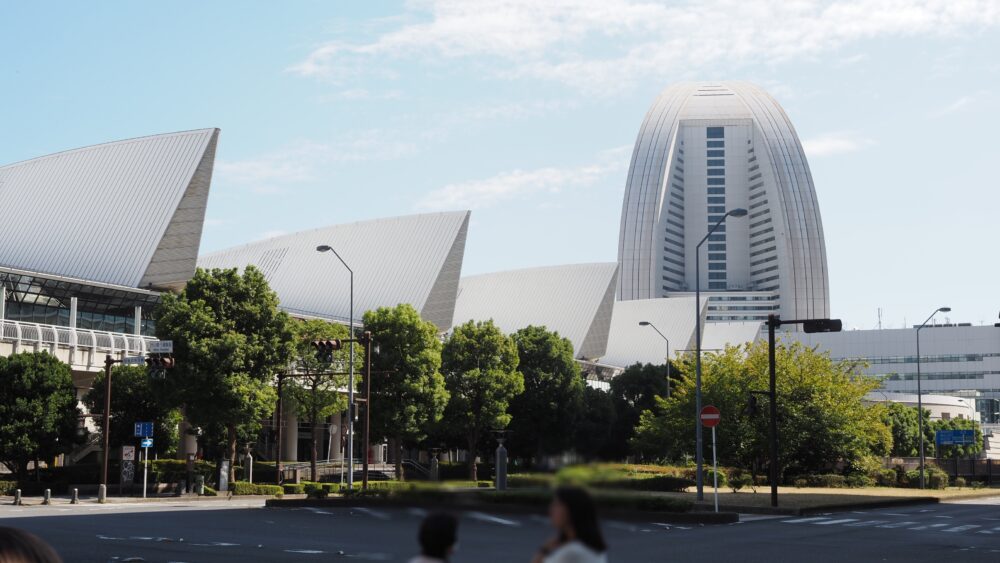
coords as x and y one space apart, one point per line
575 300
416 259
127 213
717 335
629 343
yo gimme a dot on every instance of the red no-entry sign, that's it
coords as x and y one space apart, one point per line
710 416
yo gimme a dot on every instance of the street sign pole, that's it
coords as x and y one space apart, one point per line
715 471
145 470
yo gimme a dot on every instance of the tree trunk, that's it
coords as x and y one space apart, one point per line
314 436
397 456
231 453
473 442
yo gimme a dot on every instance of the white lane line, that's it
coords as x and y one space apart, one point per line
834 522
964 528
483 517
372 513
318 511
942 516
867 523
305 551
418 512
804 520
898 524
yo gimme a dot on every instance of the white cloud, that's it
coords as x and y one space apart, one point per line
550 39
306 161
962 103
835 143
524 184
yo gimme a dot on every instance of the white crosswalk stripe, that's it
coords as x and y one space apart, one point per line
865 523
964 528
834 522
805 520
898 524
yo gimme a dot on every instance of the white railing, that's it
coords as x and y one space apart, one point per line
52 336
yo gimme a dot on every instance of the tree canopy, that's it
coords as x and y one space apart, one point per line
136 397
633 392
315 393
552 397
408 390
230 339
823 418
38 413
480 369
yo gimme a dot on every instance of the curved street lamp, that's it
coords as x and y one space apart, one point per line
699 457
667 340
920 403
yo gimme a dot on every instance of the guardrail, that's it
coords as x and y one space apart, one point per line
21 333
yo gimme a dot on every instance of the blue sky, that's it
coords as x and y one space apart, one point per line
526 111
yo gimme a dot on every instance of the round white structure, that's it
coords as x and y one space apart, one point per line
705 148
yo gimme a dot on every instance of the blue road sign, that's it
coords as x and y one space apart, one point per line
147 442
143 429
955 437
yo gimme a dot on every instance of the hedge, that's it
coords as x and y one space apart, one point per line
245 488
7 488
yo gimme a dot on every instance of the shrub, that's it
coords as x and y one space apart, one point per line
710 478
977 484
887 478
245 488
934 477
859 481
209 492
530 480
739 480
799 483
830 481
960 482
7 488
294 488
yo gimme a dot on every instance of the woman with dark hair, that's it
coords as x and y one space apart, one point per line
438 535
18 546
578 533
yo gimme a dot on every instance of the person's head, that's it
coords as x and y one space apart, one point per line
575 517
438 534
18 546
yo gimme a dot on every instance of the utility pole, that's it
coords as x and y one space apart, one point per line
109 362
366 339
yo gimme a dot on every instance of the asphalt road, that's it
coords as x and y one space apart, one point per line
244 531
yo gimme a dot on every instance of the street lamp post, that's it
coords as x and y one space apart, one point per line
350 381
699 457
667 340
920 403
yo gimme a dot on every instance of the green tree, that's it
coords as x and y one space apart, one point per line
408 390
552 397
593 429
38 413
314 391
136 397
480 371
230 339
905 429
946 452
823 418
633 392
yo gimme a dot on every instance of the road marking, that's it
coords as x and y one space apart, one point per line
867 523
483 517
942 516
418 512
372 513
964 528
834 522
898 524
804 520
305 551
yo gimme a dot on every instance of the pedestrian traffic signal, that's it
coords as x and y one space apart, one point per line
326 348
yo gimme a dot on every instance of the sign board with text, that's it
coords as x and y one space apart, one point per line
955 437
160 347
143 429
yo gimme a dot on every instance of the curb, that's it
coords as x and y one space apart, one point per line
467 505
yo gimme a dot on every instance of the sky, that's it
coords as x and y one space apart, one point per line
526 112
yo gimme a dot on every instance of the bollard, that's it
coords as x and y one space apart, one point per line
17 497
47 498
102 494
199 485
76 497
501 479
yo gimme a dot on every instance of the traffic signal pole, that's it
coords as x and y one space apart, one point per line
367 337
109 362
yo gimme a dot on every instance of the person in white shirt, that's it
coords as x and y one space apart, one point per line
438 536
578 534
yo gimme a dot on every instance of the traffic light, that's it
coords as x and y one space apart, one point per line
752 408
159 364
326 348
822 325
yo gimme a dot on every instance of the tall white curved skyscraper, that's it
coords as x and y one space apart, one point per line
705 148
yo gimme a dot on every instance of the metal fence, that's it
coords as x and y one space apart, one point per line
52 336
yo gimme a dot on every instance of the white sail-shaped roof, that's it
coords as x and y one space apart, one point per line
415 259
126 213
630 343
575 300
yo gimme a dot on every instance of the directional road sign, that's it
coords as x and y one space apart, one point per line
143 429
134 361
955 437
147 442
710 416
160 347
